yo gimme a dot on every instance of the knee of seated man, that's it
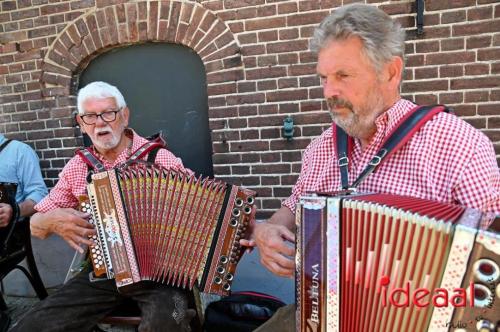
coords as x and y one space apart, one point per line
171 314
181 324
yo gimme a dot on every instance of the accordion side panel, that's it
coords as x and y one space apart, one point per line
215 280
102 198
313 265
484 272
459 252
124 230
333 260
298 266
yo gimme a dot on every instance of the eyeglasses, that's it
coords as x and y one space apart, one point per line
91 118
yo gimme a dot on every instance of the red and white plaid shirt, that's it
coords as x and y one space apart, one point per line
72 179
447 160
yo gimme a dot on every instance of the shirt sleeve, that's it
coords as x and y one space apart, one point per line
28 171
62 196
479 185
298 188
168 160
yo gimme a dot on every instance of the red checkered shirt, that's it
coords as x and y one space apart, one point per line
447 160
72 179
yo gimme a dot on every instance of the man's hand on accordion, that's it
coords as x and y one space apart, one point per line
275 240
70 224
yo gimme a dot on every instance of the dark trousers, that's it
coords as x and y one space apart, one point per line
80 304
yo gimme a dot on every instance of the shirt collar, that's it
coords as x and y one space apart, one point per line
386 121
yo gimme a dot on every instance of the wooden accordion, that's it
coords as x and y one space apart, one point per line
161 225
378 262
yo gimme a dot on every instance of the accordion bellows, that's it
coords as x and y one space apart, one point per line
376 262
162 225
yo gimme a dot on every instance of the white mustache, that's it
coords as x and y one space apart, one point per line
103 130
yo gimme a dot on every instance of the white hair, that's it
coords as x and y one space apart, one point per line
99 90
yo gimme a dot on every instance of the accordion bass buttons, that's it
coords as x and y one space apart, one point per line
238 202
486 270
485 325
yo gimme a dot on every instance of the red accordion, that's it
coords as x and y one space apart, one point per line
165 226
376 262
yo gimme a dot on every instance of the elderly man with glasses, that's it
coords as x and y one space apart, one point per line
103 115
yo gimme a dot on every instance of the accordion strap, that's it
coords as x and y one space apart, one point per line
151 147
398 137
4 144
90 159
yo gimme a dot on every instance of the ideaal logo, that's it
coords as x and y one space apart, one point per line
422 297
476 295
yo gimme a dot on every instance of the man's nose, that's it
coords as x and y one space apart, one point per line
330 89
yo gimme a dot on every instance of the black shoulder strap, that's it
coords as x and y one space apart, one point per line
152 154
342 140
402 133
4 144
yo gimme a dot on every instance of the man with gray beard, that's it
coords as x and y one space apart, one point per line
360 63
80 304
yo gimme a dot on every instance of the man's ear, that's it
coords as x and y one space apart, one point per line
125 114
79 120
395 72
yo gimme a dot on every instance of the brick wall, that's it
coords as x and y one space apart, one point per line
259 70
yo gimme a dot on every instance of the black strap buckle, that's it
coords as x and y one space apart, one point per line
343 161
